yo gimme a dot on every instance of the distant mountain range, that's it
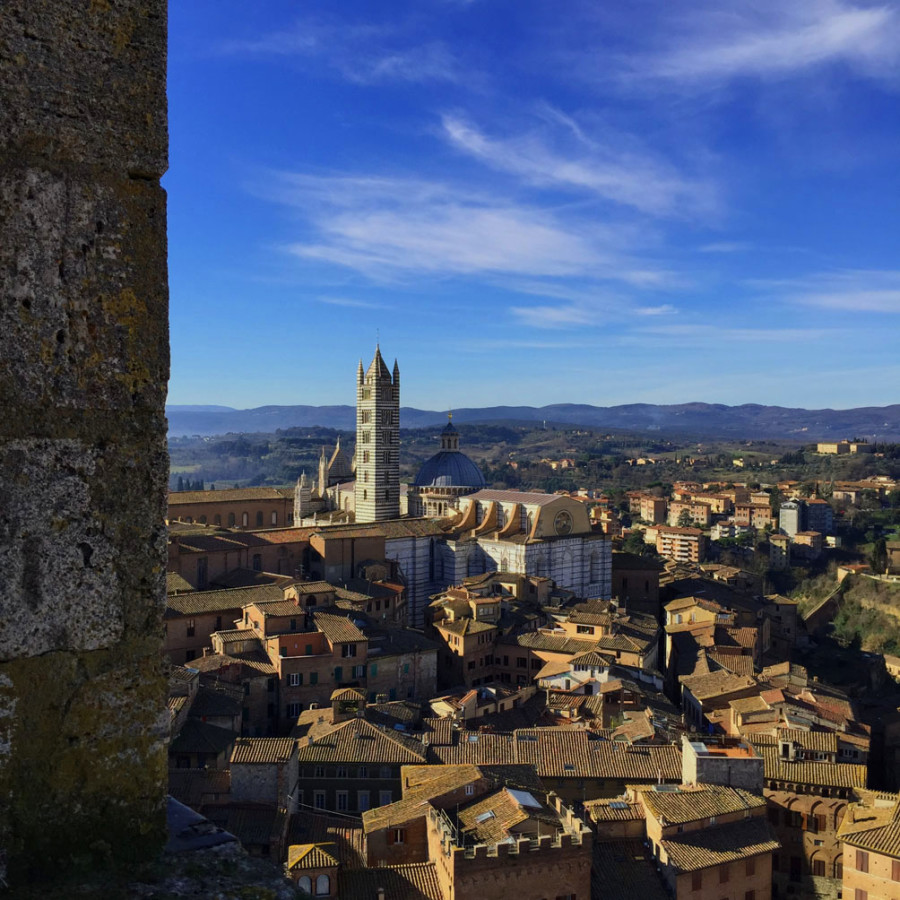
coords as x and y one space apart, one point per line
701 419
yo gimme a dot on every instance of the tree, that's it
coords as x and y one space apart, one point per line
180 486
878 559
685 519
634 543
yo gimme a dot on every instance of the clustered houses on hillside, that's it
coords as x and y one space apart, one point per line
526 739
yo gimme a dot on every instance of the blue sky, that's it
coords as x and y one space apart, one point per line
535 202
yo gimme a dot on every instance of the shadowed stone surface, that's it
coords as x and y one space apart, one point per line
83 462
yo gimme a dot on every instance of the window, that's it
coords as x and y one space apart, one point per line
231 520
862 861
189 655
217 520
191 627
313 677
274 518
750 866
385 772
362 772
319 772
696 881
373 670
399 836
348 650
218 623
295 679
323 886
359 671
860 894
470 789
257 562
724 874
521 662
895 869
293 624
305 884
245 520
259 519
406 668
385 797
294 710
818 868
750 895
341 772
585 629
342 804
338 673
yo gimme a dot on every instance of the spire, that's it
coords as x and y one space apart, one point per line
360 374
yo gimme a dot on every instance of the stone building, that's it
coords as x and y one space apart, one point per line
485 829
870 837
257 507
807 791
377 486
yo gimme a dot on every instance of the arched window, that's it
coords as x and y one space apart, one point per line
274 518
218 520
323 886
365 495
305 884
245 520
202 520
231 520
259 519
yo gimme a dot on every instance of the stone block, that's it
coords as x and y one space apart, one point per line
85 83
83 320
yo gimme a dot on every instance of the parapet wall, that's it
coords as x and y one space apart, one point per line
83 462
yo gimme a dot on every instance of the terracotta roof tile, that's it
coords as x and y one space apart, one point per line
725 843
262 750
413 881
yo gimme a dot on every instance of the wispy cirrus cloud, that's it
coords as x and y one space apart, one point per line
616 170
395 227
363 54
350 302
709 43
726 247
841 290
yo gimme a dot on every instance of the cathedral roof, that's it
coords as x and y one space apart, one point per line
450 468
339 465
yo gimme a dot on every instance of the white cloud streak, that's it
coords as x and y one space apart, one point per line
613 171
369 54
773 39
391 227
842 290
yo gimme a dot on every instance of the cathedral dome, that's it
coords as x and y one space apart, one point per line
450 468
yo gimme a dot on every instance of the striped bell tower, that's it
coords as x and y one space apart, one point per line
377 442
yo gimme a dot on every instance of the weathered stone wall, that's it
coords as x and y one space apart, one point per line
83 464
